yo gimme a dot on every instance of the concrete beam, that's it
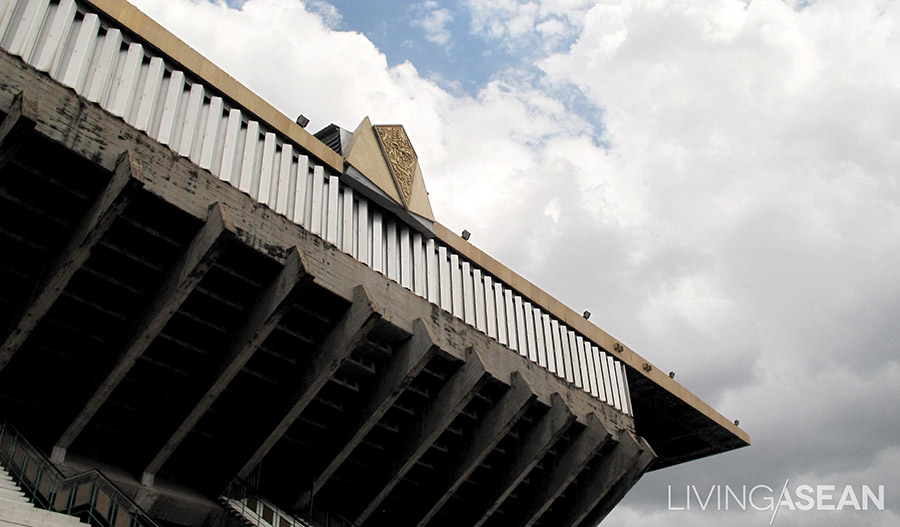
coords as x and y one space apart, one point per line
454 395
126 181
490 431
341 341
259 322
597 481
589 442
17 125
181 278
409 360
545 433
637 468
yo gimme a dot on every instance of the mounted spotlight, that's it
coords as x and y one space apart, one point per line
586 315
466 235
671 374
302 120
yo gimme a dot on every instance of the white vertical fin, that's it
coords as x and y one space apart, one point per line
149 94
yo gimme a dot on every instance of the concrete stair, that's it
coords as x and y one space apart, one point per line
16 510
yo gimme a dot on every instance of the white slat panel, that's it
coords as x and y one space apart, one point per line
156 109
287 180
393 252
122 91
468 293
558 365
541 348
573 356
266 172
500 305
347 221
522 342
364 253
444 278
26 28
592 373
597 356
456 285
377 242
626 392
71 28
7 10
191 118
301 198
284 190
512 332
333 217
230 171
527 312
249 179
406 279
318 199
615 388
490 308
100 74
149 93
433 272
604 368
480 307
47 50
582 364
419 271
73 73
549 342
211 132
170 107
568 370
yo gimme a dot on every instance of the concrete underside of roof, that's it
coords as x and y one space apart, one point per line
160 325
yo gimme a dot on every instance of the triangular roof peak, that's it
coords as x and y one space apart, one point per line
385 156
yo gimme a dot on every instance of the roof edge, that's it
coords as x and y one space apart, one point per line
577 322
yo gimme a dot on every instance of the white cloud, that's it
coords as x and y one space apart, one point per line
545 23
434 21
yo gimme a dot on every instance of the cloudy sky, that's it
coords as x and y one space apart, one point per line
718 181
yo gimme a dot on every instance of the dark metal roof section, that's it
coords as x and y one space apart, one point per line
331 135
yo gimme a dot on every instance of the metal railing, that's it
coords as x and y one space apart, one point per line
88 496
83 50
245 500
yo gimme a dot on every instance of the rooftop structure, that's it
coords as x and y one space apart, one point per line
207 310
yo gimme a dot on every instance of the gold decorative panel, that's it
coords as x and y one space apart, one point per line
400 155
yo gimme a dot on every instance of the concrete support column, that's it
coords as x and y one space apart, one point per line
599 479
456 393
124 185
261 319
18 124
341 341
491 430
408 361
638 467
192 265
584 447
545 433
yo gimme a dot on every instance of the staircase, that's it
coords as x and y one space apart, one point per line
15 509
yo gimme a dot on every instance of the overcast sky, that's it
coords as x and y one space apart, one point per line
717 181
